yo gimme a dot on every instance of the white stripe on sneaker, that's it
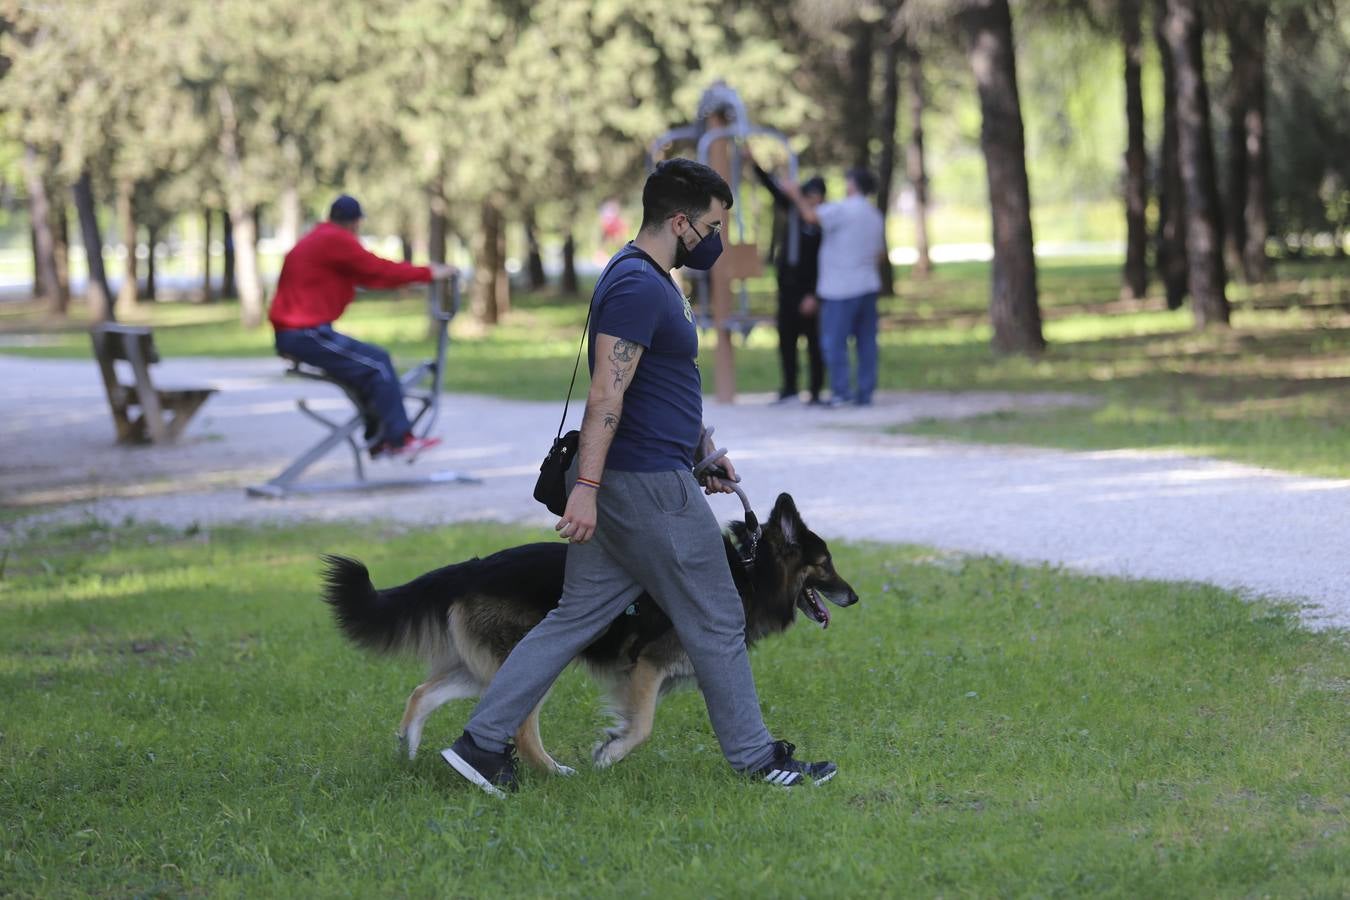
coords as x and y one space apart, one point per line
460 765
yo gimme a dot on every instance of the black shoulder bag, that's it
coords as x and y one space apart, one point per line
551 488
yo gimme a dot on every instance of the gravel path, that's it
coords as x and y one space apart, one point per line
1148 515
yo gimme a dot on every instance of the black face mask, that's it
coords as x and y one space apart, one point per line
704 254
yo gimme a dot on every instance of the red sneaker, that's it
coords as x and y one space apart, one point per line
409 450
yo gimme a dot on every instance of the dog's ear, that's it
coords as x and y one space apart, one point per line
786 517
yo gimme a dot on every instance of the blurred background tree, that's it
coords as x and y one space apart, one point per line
490 131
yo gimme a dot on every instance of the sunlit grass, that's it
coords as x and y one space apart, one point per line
181 717
1272 390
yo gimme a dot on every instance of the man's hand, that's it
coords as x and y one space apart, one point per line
578 520
717 485
440 271
809 306
794 193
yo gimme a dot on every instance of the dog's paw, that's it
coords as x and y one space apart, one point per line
406 748
608 752
560 769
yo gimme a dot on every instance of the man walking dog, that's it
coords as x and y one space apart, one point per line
633 516
318 280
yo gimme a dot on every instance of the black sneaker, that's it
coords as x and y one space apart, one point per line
490 771
787 772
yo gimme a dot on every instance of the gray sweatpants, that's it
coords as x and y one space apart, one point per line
654 532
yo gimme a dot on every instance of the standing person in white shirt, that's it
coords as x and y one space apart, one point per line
852 246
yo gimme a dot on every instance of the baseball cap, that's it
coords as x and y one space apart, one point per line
345 209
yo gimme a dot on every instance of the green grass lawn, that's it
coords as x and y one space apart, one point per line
182 718
1274 390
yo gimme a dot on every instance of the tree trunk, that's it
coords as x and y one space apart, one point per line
437 229
39 291
244 231
229 288
858 115
1170 247
536 260
1204 229
916 168
437 210
1013 305
247 282
487 265
890 102
570 286
289 215
129 292
61 244
47 283
503 282
97 292
208 292
1248 183
151 239
405 245
1234 199
1135 275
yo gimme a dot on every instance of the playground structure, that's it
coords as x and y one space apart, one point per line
442 305
720 127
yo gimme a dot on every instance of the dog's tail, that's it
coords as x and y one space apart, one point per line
396 620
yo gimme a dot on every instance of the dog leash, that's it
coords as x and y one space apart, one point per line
707 466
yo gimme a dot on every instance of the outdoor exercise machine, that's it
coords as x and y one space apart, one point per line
442 305
720 127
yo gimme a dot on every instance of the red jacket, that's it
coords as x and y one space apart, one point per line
322 272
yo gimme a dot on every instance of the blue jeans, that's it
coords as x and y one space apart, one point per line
841 319
364 367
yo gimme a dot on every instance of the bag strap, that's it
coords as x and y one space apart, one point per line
586 330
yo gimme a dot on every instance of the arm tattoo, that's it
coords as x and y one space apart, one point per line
623 352
610 421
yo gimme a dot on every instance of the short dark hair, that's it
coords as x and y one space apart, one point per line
681 186
863 180
814 185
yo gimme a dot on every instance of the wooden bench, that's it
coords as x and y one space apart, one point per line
160 414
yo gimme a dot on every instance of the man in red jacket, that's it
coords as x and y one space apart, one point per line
318 279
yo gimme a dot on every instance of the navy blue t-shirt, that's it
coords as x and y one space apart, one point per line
663 406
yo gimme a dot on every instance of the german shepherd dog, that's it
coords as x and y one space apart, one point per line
464 619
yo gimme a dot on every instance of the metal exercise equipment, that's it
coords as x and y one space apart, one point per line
354 432
721 126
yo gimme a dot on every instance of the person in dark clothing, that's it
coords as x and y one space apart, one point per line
798 307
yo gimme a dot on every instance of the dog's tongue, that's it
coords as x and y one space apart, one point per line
824 613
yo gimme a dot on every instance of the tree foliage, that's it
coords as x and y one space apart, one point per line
516 111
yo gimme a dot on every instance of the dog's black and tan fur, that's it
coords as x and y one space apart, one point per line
464 619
